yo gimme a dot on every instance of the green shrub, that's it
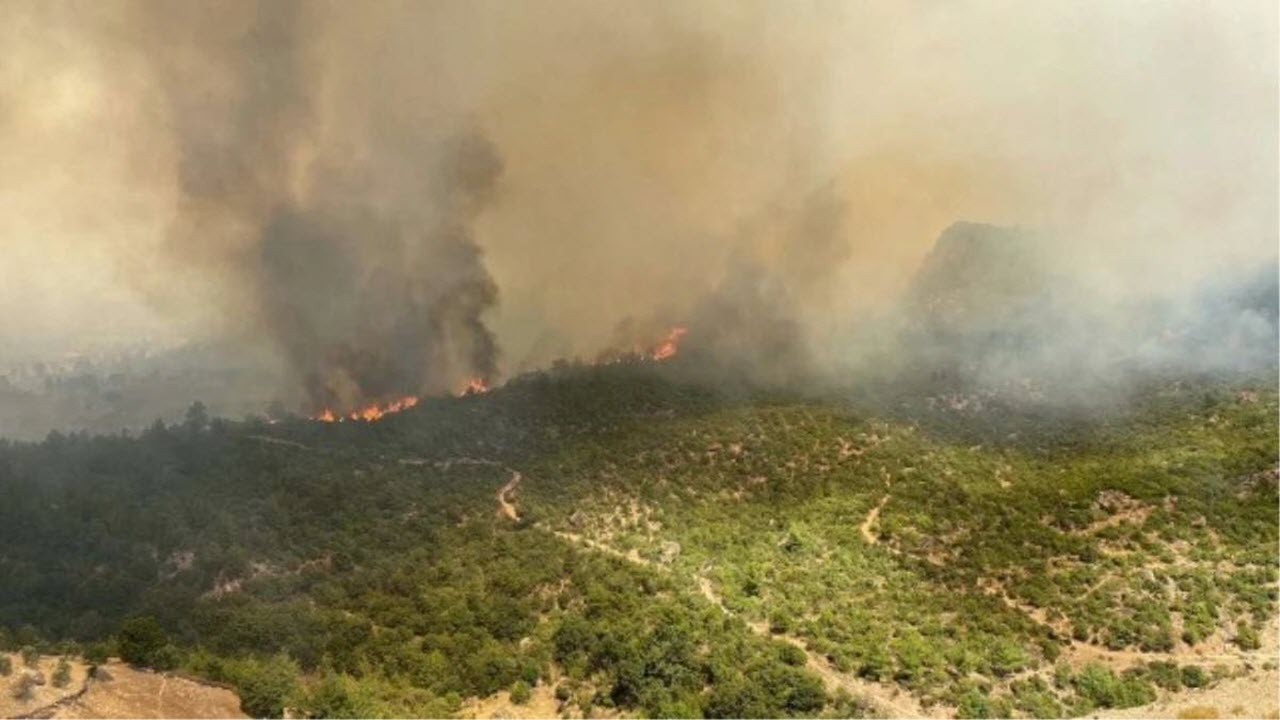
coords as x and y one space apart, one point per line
335 696
1103 688
976 704
167 657
520 692
1165 675
140 641
264 685
792 655
1007 657
1246 637
62 673
97 653
1194 676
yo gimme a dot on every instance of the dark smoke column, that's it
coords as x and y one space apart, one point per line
340 233
373 303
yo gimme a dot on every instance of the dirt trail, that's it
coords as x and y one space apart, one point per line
1079 653
542 703
631 556
1253 696
865 527
505 508
887 700
450 462
280 441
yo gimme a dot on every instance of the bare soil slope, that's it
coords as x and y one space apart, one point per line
1256 695
129 693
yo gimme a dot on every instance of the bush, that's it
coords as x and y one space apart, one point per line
264 685
1194 676
520 692
141 639
975 704
1007 657
779 622
167 657
6 666
30 656
24 688
62 674
1165 675
339 696
792 655
806 695
1103 689
1246 636
1156 639
97 653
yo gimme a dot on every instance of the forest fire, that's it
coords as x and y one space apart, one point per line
370 413
669 345
664 349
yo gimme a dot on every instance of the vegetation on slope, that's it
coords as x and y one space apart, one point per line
678 552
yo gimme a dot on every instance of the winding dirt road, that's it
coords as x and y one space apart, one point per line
887 700
865 527
505 506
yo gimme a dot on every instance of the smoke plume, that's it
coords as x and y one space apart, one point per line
347 186
357 262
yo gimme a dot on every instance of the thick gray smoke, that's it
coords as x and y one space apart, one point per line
343 187
358 262
991 310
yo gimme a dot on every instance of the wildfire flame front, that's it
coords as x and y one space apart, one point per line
371 412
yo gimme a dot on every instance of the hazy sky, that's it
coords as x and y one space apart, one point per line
643 147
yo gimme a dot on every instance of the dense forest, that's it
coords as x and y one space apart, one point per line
644 545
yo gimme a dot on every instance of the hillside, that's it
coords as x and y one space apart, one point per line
615 540
111 690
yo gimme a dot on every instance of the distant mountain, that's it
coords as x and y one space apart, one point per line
981 284
978 279
994 304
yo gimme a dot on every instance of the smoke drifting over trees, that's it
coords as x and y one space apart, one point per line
383 196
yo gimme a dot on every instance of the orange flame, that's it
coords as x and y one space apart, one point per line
475 386
665 349
669 345
370 413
